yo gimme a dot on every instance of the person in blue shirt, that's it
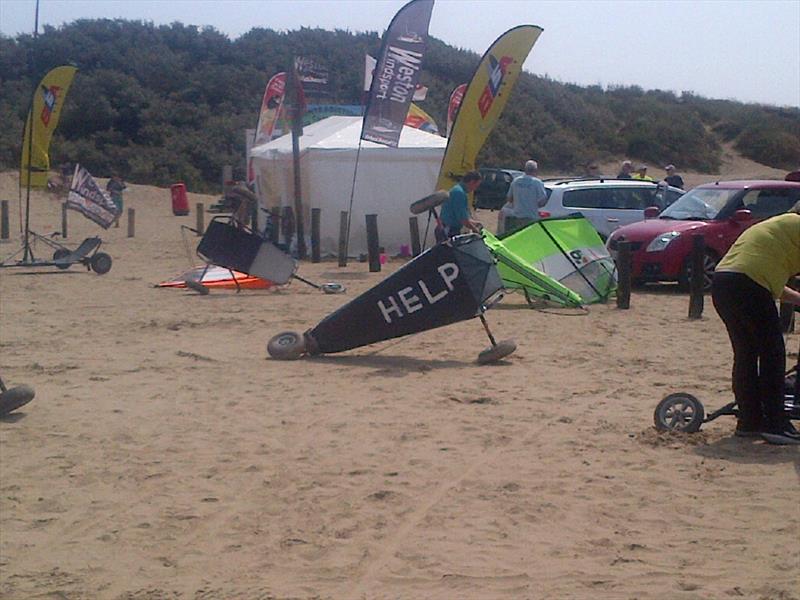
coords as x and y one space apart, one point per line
526 195
455 215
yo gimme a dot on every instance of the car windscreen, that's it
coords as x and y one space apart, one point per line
700 203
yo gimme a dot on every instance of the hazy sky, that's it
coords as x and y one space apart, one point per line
747 50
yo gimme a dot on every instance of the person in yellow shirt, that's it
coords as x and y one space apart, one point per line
747 281
641 174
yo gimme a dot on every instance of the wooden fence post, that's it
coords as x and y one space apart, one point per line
698 277
200 226
413 227
131 222
373 245
4 232
343 238
287 226
624 275
64 220
316 214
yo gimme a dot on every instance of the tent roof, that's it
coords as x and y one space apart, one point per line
340 133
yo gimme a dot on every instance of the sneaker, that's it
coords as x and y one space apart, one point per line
783 436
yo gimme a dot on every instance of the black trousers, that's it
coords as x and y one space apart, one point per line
759 352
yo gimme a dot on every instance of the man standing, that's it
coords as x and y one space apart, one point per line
672 177
455 210
527 195
625 170
641 173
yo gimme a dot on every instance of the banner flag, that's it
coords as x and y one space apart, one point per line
369 68
44 114
313 77
453 104
397 73
90 200
484 100
419 119
271 108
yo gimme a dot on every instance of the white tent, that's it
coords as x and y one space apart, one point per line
388 180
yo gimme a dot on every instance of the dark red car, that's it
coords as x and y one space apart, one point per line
661 246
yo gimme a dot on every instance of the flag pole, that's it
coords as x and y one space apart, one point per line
28 253
297 130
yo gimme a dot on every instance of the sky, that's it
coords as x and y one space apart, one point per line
745 50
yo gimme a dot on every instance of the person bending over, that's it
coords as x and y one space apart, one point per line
746 283
455 214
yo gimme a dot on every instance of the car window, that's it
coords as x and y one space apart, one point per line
626 198
588 198
768 203
673 195
700 203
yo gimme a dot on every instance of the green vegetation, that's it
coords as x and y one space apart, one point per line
171 103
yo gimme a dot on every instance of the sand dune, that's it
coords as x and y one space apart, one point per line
165 456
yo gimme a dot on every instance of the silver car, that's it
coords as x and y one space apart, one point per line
607 203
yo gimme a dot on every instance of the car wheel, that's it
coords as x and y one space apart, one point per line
685 278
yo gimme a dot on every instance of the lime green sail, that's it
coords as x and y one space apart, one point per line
559 260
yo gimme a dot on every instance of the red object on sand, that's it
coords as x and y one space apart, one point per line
180 204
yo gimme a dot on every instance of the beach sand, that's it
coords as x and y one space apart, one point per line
166 457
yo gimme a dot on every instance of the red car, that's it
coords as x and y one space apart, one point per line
661 246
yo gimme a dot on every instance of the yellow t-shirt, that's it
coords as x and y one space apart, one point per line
768 253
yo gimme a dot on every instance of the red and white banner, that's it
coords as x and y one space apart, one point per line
452 107
271 108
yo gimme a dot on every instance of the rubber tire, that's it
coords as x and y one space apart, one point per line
333 288
100 263
14 398
494 353
679 412
196 286
62 253
287 345
428 202
685 276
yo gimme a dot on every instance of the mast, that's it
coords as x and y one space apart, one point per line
28 253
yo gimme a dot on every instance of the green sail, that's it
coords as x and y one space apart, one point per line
560 260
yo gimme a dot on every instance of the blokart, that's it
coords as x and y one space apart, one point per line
87 254
230 244
454 281
13 398
684 412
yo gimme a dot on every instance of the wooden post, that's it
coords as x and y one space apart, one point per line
131 222
287 225
4 219
343 238
414 229
698 277
373 245
624 275
64 220
315 219
201 226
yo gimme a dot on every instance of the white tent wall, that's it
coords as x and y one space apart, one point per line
387 182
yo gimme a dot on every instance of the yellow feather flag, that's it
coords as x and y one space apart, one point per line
484 100
48 99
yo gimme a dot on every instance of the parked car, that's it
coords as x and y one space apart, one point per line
607 203
661 247
491 193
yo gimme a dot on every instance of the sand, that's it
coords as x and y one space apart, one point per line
165 456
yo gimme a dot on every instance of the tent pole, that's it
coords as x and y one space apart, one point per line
297 131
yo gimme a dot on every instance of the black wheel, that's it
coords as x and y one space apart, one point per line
496 352
333 288
679 412
685 278
14 398
59 254
100 263
287 345
429 202
196 286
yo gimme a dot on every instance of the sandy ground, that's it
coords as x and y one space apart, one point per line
166 457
